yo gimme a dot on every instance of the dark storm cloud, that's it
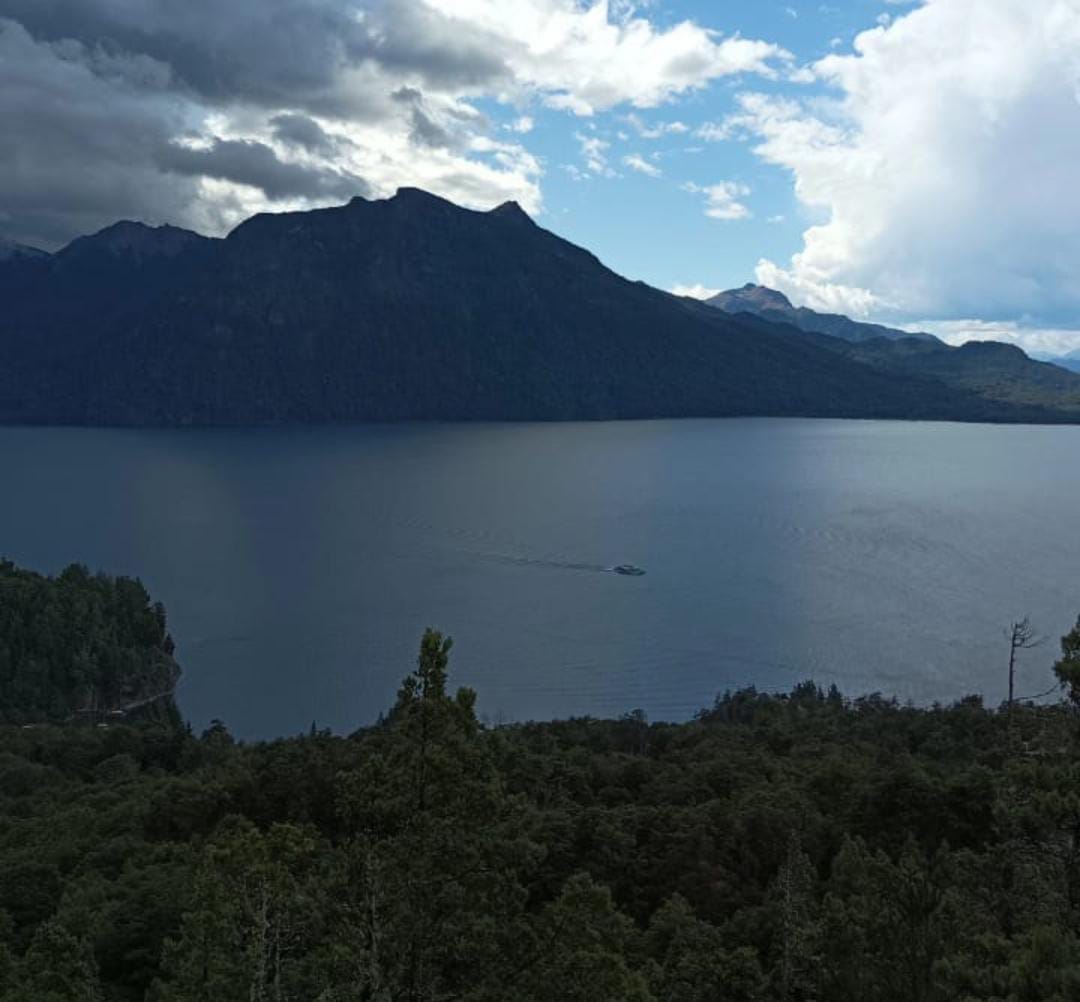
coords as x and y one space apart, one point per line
95 94
299 130
424 131
447 130
76 151
272 52
256 164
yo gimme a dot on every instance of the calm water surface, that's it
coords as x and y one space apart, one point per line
300 566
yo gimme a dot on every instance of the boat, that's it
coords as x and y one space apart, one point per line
629 570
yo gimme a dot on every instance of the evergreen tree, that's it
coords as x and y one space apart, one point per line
57 968
1068 668
436 849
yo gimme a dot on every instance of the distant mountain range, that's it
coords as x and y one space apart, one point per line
1070 361
775 306
10 251
412 308
990 369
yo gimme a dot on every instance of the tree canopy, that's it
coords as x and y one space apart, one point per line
775 848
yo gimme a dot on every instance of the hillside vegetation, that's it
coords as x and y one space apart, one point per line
79 644
774 848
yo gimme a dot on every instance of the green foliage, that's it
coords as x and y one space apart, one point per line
57 968
79 644
1068 668
435 850
797 848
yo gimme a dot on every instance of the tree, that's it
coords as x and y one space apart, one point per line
585 941
435 850
57 968
1022 637
799 929
253 903
690 963
1068 668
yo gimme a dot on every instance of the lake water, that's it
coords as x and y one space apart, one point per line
300 566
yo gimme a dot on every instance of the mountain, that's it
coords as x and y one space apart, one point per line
11 251
1070 361
132 243
407 308
775 306
992 370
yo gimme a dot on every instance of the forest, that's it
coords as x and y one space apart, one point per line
805 846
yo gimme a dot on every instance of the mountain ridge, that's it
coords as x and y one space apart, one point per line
993 370
407 308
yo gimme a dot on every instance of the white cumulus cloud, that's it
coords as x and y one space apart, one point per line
1045 342
583 59
942 165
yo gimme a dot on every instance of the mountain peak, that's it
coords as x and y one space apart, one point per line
751 298
408 195
511 210
775 306
132 239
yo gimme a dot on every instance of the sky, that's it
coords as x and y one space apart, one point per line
908 162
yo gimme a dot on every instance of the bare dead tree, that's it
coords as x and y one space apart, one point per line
1022 637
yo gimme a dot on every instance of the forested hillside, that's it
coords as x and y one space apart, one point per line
407 308
775 848
79 644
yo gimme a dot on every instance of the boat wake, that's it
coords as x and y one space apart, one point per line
627 570
561 565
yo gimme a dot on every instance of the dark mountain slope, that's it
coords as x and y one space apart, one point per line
61 304
401 309
991 369
10 251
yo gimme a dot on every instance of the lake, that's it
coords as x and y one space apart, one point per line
300 566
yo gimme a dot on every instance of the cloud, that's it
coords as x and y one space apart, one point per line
636 162
1053 343
594 153
78 146
714 132
255 164
646 131
941 165
583 60
695 291
198 112
300 130
722 199
277 53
